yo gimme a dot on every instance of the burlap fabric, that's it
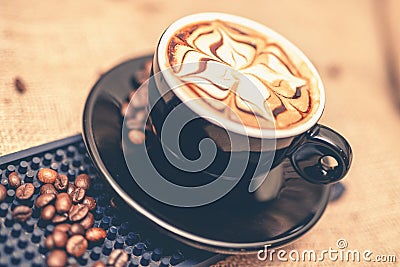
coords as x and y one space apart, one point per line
60 48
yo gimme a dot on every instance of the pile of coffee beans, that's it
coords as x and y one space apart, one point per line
134 110
66 205
45 213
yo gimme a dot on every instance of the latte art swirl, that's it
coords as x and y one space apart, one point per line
273 86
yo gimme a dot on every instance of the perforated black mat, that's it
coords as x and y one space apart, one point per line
22 244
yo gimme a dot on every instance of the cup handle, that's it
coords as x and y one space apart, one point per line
321 156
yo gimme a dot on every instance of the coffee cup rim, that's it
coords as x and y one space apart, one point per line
161 62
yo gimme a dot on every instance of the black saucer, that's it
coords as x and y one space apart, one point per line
215 227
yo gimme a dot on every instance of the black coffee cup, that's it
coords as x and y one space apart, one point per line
318 154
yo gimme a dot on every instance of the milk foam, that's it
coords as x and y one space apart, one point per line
272 87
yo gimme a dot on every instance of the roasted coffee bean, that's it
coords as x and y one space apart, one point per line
64 227
63 202
136 137
47 176
134 124
59 238
19 85
13 180
76 245
96 234
25 191
56 258
61 182
3 193
98 264
78 212
90 202
82 181
78 195
88 221
59 218
21 213
117 258
76 229
71 188
48 212
141 115
47 189
44 200
49 242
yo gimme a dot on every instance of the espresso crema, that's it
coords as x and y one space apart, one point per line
243 74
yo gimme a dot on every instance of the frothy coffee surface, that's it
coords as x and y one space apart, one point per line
265 83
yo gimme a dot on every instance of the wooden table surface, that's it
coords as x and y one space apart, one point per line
59 49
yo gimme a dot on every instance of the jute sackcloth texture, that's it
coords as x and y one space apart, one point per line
59 49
